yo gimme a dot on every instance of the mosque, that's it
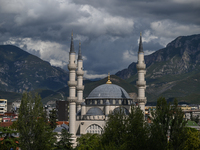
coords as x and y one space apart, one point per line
89 115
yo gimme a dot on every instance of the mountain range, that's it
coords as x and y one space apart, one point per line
172 72
20 71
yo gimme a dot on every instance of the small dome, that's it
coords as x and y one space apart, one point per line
59 129
95 111
108 91
65 126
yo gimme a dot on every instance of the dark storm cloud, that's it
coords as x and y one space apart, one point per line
180 10
108 29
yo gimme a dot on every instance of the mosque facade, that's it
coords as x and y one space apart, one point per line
89 115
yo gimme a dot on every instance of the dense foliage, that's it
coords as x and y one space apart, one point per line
34 131
89 141
8 138
168 126
53 118
126 131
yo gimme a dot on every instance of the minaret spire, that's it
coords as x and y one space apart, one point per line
72 44
79 52
140 44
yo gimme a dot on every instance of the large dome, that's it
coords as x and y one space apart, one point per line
108 91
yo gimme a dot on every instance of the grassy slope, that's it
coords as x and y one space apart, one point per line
10 96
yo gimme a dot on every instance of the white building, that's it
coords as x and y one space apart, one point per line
90 115
3 106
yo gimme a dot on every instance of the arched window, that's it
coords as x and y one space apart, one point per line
94 128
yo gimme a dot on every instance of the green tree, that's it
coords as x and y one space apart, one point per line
193 139
14 125
115 130
34 130
137 130
177 131
89 142
9 140
53 118
168 126
65 142
124 131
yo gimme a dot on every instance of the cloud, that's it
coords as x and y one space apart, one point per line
94 76
173 29
49 51
109 30
58 63
129 56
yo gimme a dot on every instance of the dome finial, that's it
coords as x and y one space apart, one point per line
108 82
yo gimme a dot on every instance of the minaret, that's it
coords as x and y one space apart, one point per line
141 83
79 74
72 83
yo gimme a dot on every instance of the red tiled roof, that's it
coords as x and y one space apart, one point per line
62 122
6 124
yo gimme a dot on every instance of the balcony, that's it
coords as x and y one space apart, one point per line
72 83
141 99
140 66
72 66
72 99
80 88
79 72
141 83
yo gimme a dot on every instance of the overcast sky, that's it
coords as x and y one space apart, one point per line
109 30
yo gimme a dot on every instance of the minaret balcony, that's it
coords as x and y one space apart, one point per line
141 83
141 100
72 66
141 66
72 99
80 87
79 72
72 83
79 102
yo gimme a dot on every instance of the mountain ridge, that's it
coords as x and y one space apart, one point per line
168 68
21 71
